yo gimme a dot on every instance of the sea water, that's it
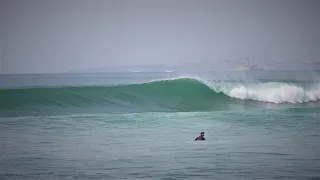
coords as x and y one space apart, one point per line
143 126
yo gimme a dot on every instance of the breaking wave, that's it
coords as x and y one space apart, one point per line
182 94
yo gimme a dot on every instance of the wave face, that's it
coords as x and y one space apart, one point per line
170 95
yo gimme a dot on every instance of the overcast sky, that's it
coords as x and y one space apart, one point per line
66 35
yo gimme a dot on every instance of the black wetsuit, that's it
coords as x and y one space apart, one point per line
200 138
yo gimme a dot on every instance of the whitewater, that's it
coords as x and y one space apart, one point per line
273 92
142 126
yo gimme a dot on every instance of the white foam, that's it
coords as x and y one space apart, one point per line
281 93
274 92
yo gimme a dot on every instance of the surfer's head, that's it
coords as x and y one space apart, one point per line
202 133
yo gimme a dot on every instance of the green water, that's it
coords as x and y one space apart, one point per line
145 128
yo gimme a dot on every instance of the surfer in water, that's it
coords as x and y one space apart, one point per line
201 137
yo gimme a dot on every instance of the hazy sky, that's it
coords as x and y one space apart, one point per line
65 35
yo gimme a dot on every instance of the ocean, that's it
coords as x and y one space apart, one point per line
258 125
